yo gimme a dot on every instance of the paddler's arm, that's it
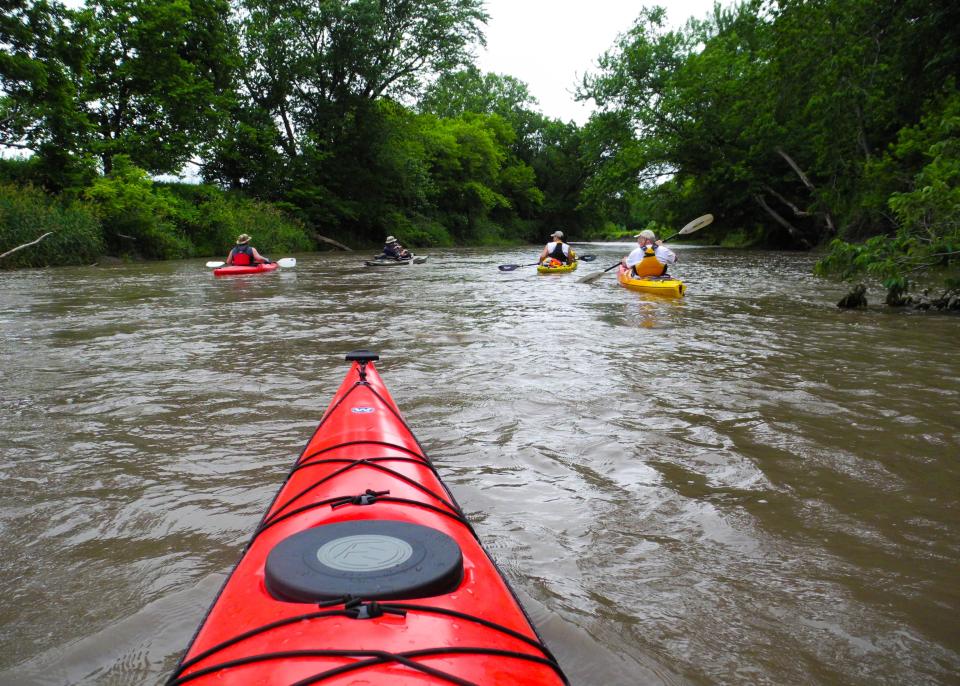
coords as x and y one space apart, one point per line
666 254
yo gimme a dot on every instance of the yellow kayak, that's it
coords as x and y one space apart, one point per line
660 285
557 270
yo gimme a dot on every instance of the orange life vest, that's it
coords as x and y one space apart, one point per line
649 265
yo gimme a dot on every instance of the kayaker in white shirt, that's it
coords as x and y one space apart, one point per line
557 250
651 257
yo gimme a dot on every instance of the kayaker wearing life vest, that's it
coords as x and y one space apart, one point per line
651 257
244 254
394 251
557 253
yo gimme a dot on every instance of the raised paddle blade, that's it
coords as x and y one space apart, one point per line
697 224
215 265
287 262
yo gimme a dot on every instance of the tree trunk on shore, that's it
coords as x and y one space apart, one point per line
791 229
25 245
332 242
827 218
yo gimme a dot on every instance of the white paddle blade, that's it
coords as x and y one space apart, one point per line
697 224
287 262
214 265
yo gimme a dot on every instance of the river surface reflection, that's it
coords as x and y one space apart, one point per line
745 486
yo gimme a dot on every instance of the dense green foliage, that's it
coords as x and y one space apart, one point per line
925 207
777 117
797 123
293 104
27 213
125 213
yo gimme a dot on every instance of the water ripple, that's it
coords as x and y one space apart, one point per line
743 486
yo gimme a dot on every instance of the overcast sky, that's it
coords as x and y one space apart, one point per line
549 44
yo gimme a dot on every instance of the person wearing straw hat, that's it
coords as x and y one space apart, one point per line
392 250
244 254
651 257
556 252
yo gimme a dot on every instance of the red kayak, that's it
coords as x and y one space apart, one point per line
236 270
365 571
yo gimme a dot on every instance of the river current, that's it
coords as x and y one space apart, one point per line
742 486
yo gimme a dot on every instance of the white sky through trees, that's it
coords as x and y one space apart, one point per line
550 44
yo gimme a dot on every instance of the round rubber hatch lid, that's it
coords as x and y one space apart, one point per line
368 559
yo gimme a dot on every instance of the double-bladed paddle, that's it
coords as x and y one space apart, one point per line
695 225
511 267
285 262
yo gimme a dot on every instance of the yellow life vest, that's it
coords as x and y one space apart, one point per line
649 265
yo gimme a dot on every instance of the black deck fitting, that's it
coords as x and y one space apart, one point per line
362 356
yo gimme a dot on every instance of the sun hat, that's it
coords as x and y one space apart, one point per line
243 238
391 239
556 234
647 233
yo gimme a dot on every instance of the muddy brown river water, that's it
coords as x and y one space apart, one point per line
745 486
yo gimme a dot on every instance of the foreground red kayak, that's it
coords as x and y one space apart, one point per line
236 270
365 571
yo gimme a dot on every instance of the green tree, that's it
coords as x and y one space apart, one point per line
561 169
469 90
771 113
924 247
156 82
41 53
307 63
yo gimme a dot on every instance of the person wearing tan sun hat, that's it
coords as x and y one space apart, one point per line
244 254
392 250
556 252
651 257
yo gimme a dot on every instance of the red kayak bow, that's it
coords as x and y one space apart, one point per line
364 570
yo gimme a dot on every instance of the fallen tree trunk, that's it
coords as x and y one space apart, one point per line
332 242
797 212
827 217
791 229
25 245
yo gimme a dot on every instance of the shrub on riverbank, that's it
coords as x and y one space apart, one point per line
26 213
214 223
924 246
139 218
126 214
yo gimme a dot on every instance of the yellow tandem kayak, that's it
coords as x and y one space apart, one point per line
558 270
660 285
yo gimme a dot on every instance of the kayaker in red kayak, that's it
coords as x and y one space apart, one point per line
244 254
556 253
651 257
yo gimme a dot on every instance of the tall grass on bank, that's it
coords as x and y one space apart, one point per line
126 214
26 213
